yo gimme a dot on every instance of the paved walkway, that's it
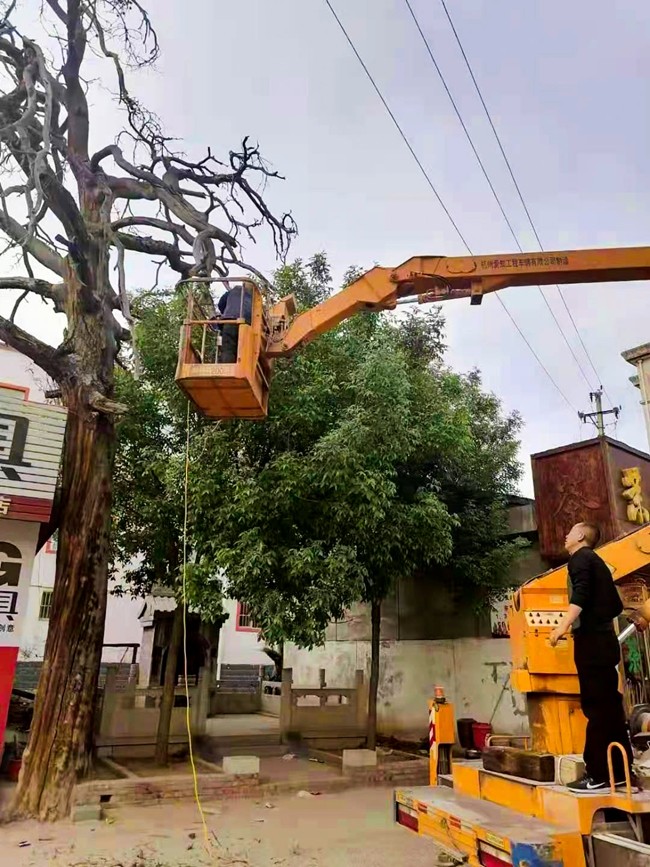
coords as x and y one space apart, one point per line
336 830
229 725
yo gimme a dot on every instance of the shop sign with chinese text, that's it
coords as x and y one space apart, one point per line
18 540
31 442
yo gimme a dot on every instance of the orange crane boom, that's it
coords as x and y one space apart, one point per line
442 278
240 389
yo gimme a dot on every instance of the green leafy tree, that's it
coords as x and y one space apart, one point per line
376 462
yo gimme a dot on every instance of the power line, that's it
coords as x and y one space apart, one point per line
489 181
437 194
517 187
397 125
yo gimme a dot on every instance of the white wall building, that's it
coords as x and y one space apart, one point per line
239 642
122 624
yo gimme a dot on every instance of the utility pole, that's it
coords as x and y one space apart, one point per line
597 417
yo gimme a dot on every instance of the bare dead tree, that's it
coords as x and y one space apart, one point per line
76 217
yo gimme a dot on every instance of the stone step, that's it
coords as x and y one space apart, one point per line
237 686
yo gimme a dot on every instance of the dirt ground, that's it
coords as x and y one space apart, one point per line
329 830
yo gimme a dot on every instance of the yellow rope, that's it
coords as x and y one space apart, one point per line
195 777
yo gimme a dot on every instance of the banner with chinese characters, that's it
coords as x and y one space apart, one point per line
18 540
31 441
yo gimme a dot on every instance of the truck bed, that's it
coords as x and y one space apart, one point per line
460 824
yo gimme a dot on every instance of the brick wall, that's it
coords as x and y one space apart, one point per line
412 772
28 672
149 791
217 786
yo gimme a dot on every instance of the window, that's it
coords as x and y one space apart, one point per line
46 605
244 618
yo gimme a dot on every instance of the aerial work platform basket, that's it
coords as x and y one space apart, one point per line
220 390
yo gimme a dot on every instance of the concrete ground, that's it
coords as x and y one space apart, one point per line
334 830
237 724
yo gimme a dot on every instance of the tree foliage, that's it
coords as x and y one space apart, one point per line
376 461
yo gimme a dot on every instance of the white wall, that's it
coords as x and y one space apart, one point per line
471 670
237 647
122 626
17 369
34 631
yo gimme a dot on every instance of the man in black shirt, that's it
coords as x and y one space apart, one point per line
593 604
235 303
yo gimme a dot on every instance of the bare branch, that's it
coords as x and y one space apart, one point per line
156 187
63 205
145 125
7 14
40 251
56 8
159 265
164 225
13 53
124 302
29 85
39 164
38 287
131 189
103 404
27 263
78 121
51 360
19 301
156 247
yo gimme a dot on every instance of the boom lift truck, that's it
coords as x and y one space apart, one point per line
479 816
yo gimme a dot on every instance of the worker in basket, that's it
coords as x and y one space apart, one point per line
235 303
593 604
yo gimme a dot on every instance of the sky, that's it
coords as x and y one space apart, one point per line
566 84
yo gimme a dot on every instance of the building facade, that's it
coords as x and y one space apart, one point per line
122 625
234 645
431 636
31 443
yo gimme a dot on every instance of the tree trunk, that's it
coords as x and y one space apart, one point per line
375 620
169 687
60 744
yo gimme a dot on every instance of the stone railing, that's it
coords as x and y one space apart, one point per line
271 697
128 714
324 716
